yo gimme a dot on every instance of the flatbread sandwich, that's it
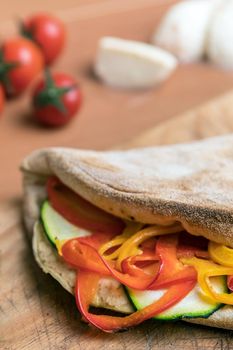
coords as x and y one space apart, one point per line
146 233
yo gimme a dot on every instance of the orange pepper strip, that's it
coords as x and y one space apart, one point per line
129 265
171 271
80 255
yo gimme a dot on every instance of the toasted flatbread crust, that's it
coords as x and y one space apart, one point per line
189 183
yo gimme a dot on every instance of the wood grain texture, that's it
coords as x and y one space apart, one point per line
35 312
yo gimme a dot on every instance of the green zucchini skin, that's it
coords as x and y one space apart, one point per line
57 227
192 306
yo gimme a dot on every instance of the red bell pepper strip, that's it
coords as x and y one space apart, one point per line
80 255
84 255
86 286
130 265
81 212
131 281
230 282
95 240
171 271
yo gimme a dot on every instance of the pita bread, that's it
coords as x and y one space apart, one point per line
190 183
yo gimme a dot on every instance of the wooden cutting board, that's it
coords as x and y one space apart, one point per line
36 313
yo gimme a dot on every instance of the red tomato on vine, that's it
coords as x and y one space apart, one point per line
48 32
56 99
20 62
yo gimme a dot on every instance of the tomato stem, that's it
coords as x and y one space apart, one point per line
5 68
51 94
24 31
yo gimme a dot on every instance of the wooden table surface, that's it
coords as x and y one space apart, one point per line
108 117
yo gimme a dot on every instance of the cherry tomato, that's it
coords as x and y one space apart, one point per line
48 32
20 62
56 99
2 98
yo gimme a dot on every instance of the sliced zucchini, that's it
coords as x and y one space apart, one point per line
58 228
193 305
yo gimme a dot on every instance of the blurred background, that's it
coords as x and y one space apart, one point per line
108 116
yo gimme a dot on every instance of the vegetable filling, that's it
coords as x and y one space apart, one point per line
167 273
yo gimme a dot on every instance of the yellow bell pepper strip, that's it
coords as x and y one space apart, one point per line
86 284
131 246
221 254
207 269
129 230
59 243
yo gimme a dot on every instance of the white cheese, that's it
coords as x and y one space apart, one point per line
131 64
184 27
220 37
